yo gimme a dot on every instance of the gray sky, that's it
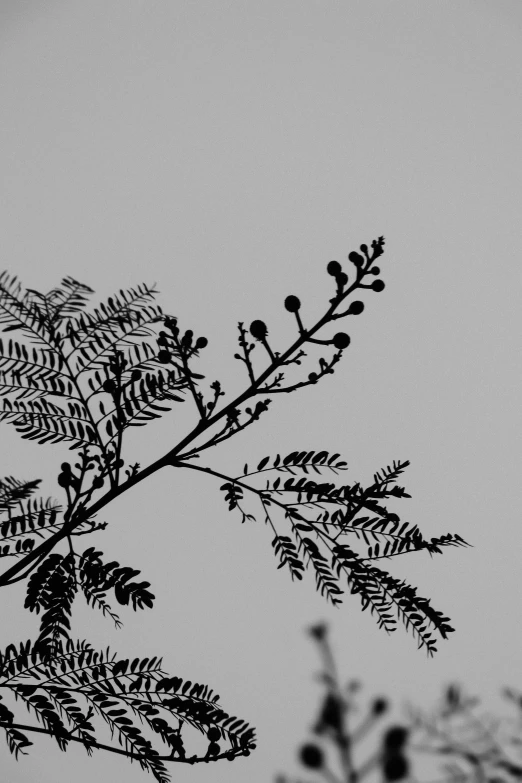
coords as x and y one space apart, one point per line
227 151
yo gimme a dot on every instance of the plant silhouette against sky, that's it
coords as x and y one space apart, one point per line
471 747
84 379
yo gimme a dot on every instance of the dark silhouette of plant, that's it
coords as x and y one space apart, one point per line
470 747
87 378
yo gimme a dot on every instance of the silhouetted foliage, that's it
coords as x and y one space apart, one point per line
470 747
84 380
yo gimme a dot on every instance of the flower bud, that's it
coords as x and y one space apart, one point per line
375 270
187 338
341 340
162 339
312 377
342 279
334 268
213 734
170 322
136 375
258 330
164 357
201 342
109 386
311 756
364 248
378 285
356 258
356 307
292 304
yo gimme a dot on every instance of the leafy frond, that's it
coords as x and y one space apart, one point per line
52 588
339 511
32 372
97 577
36 517
140 403
19 311
304 460
67 300
45 422
117 321
13 491
125 694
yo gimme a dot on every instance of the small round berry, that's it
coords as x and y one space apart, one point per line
379 706
170 322
292 304
311 756
136 375
109 386
376 270
378 285
342 279
341 340
356 307
312 377
356 258
334 268
201 342
65 466
258 330
164 357
364 248
213 734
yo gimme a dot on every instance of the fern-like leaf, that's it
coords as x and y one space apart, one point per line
125 694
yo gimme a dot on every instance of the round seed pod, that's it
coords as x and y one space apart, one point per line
312 377
201 342
342 278
341 340
164 357
379 706
258 330
136 375
213 734
292 304
64 479
375 270
311 756
334 268
378 285
395 768
364 248
395 738
356 307
109 386
356 258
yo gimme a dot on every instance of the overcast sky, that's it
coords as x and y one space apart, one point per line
226 151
